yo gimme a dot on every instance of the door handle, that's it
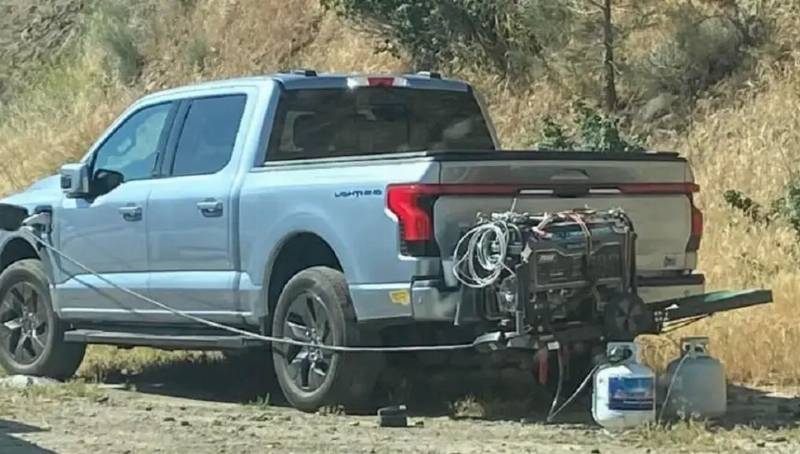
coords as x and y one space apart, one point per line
211 208
131 212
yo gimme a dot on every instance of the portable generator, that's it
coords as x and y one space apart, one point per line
565 276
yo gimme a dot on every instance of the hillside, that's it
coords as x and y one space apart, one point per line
68 67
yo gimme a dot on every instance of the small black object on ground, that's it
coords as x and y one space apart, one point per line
394 416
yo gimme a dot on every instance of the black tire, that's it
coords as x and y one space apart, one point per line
348 378
31 334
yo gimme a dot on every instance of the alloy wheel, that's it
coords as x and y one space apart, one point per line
24 329
308 320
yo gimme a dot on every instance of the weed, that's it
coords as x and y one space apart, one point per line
467 407
331 410
262 402
692 432
74 389
197 53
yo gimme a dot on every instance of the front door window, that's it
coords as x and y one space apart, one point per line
132 149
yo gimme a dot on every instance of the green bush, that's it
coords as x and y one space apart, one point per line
555 136
786 208
591 131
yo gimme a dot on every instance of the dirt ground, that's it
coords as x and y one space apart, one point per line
199 408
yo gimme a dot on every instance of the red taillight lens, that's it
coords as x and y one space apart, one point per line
697 229
413 206
416 222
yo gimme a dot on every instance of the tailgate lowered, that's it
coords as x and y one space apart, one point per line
673 310
677 309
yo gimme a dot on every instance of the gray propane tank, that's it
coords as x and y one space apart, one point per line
698 382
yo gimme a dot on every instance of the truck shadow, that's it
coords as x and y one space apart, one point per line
208 377
10 444
459 395
760 409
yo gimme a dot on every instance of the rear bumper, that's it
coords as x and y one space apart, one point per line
430 300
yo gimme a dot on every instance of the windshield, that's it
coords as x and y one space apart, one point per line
348 122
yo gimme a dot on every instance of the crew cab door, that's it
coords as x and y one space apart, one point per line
107 232
191 211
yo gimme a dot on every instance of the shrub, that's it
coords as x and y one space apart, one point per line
555 136
592 131
505 35
701 50
110 31
197 52
786 208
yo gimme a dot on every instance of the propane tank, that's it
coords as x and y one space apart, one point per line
698 382
624 389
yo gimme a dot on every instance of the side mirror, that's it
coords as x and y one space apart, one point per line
105 181
75 180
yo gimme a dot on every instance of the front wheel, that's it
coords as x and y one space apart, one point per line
31 334
315 307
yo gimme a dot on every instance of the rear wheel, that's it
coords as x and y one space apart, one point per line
31 334
315 307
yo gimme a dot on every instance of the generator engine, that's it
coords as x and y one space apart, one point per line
567 276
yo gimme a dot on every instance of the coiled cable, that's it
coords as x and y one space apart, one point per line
480 254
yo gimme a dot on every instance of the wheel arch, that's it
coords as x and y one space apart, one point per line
16 248
294 253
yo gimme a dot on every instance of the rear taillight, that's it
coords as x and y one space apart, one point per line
413 206
697 228
405 201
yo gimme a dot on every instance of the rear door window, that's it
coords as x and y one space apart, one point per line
209 134
375 120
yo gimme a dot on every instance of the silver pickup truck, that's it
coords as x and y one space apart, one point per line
323 208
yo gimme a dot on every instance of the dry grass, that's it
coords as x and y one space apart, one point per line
746 139
103 363
75 389
751 147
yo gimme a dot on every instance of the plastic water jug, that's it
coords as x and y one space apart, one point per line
624 389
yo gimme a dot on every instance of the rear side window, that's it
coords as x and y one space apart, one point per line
373 120
208 135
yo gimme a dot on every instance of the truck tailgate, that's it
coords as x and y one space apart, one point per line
656 194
